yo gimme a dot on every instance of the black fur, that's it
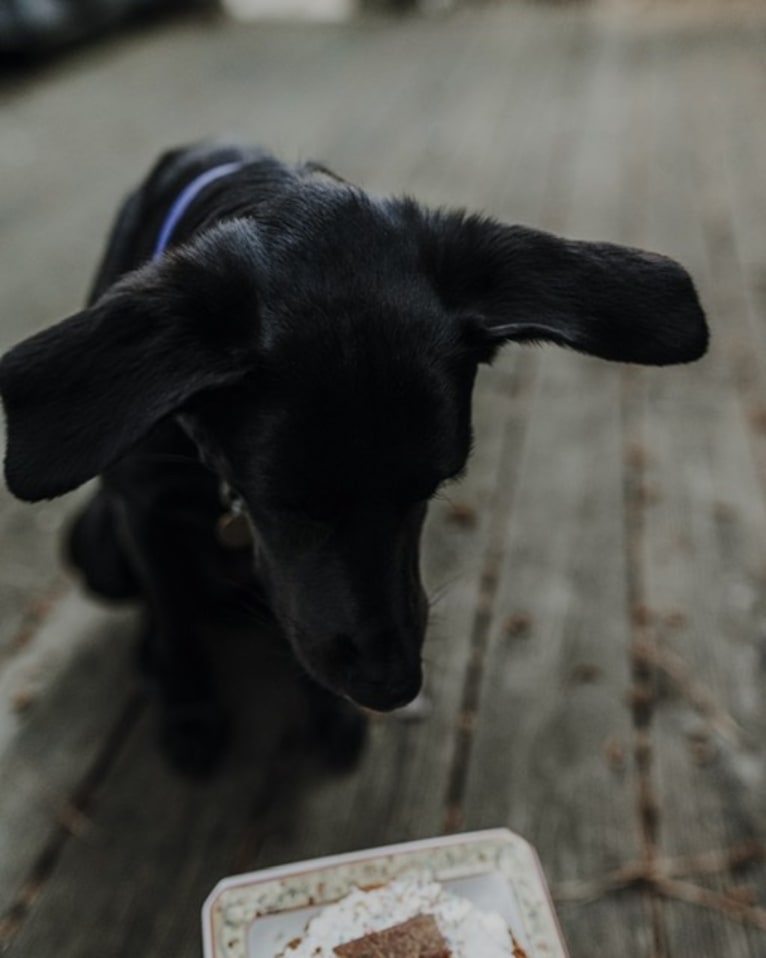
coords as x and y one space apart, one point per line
315 348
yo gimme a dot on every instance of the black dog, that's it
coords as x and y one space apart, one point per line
313 350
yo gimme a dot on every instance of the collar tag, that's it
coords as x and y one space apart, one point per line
233 528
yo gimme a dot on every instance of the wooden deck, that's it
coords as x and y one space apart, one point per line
597 658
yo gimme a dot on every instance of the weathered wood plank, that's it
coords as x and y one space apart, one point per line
59 700
553 703
704 582
703 562
551 714
134 880
31 574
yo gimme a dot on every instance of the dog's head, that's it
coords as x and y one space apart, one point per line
323 358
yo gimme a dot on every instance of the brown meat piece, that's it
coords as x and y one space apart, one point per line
417 938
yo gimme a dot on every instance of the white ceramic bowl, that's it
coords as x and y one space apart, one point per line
257 914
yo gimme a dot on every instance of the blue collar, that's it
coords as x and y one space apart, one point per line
184 200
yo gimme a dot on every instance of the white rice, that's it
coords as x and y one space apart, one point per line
469 932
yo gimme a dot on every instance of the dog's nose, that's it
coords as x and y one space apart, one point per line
384 696
381 682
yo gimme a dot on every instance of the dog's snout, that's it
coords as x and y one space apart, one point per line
378 673
386 695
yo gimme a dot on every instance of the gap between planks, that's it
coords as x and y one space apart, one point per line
489 581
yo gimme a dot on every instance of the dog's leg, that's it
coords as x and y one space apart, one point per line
123 553
164 551
337 727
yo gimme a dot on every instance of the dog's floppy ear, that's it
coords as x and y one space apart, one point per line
522 284
77 396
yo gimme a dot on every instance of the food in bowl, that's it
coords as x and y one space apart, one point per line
405 918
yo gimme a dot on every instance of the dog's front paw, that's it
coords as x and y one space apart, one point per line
193 737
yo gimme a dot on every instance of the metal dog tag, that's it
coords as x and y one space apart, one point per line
233 531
